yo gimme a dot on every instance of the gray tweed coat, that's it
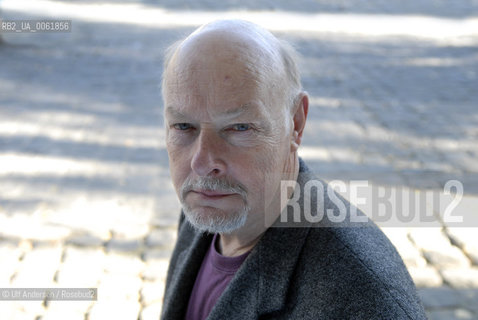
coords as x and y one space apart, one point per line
301 273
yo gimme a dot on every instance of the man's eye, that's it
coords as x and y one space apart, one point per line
241 127
182 126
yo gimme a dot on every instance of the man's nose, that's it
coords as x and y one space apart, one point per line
208 155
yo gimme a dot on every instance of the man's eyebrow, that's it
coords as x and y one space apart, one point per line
244 108
171 111
237 111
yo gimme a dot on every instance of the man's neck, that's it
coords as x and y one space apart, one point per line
233 245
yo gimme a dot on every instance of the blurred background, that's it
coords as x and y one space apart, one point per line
85 194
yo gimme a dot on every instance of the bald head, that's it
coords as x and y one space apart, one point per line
240 46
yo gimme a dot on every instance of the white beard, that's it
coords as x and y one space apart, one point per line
216 223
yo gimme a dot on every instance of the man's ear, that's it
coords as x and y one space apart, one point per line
301 109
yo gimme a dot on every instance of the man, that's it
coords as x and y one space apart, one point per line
235 114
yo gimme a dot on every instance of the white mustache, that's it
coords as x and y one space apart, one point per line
212 184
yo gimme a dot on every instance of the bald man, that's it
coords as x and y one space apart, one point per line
235 114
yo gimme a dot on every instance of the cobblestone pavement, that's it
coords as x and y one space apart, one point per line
85 194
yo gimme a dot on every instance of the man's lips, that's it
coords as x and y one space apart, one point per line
212 194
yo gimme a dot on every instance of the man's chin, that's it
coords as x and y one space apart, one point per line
214 220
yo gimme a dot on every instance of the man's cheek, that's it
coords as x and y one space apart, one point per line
177 155
179 170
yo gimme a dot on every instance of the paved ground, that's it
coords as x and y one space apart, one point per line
85 195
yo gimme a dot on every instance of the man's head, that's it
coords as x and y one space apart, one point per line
234 114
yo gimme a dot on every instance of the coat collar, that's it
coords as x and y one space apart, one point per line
263 278
184 274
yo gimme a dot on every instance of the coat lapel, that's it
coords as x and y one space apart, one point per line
260 285
184 276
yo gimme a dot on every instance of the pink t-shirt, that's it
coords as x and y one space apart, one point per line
213 277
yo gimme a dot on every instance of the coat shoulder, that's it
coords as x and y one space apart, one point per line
353 271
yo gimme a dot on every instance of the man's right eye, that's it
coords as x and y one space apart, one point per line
182 126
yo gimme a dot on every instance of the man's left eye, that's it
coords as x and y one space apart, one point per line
182 126
241 127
